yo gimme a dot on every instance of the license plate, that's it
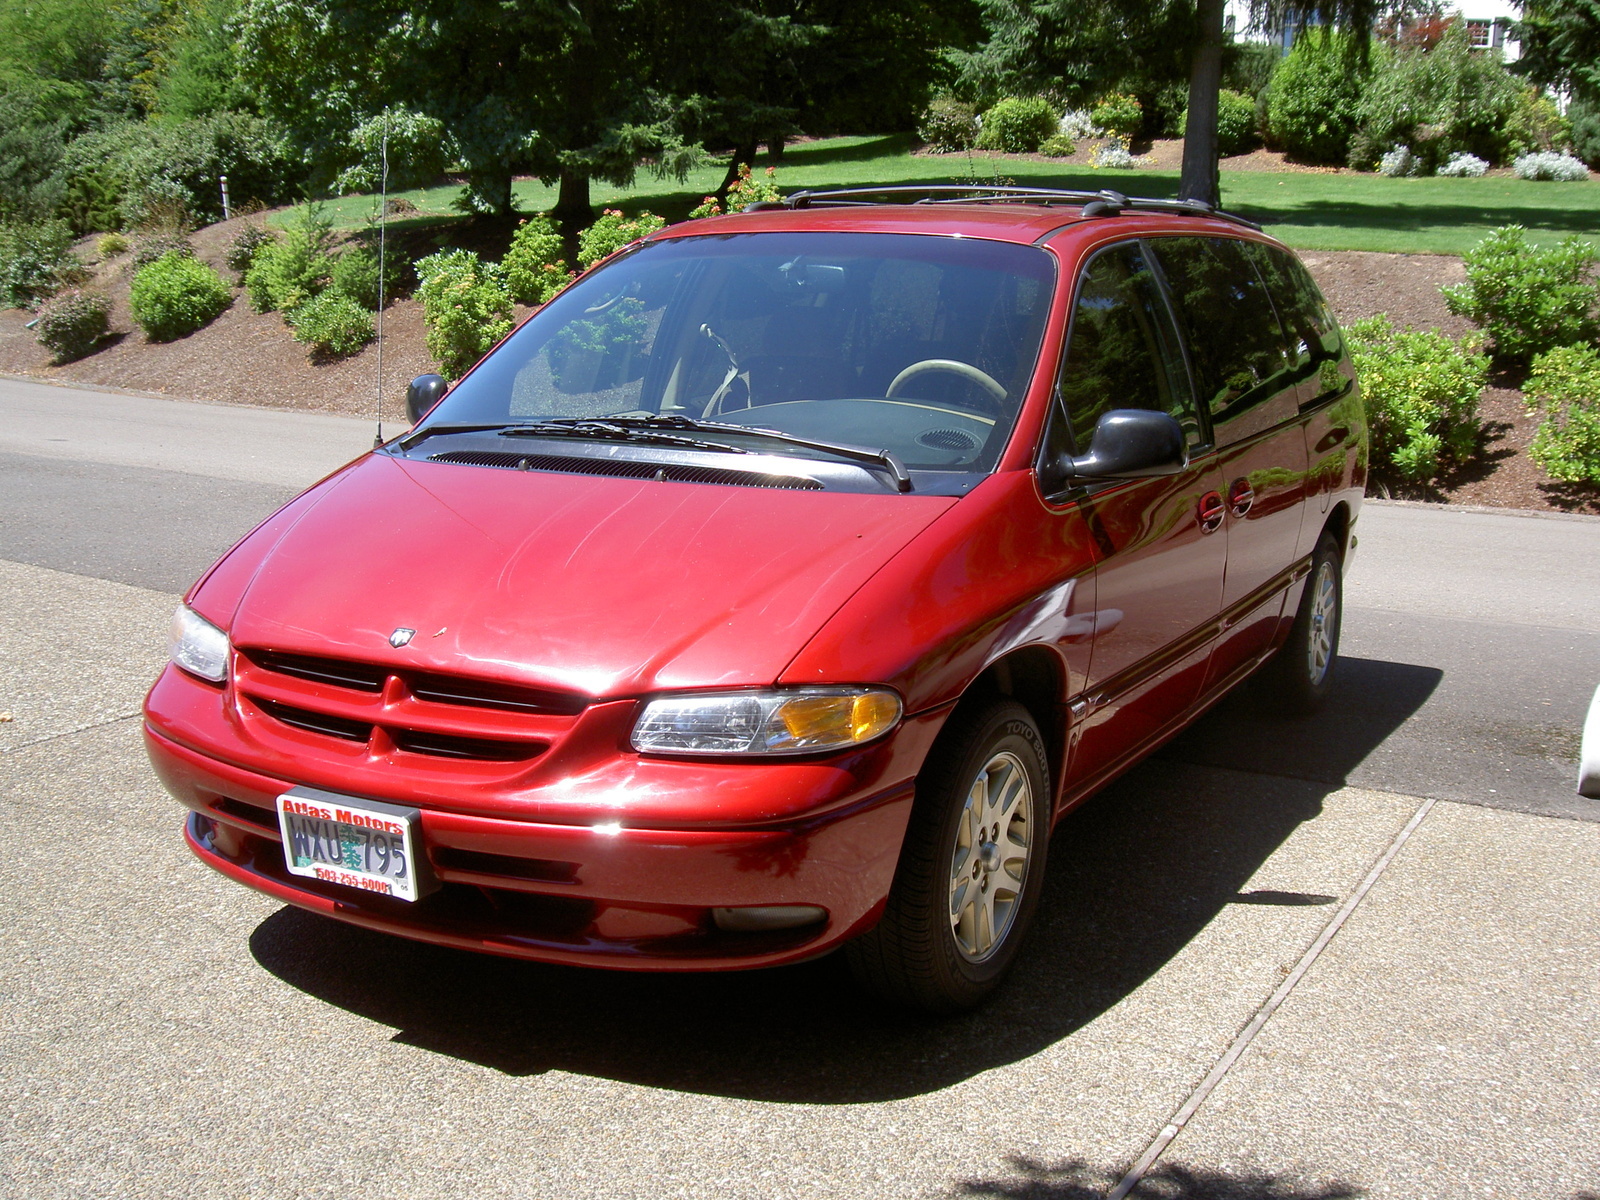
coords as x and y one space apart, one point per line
361 844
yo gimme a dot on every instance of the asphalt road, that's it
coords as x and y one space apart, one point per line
166 1033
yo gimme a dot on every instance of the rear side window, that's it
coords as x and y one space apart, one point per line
1120 348
1229 323
1308 324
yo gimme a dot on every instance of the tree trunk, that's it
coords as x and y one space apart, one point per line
500 194
572 211
1199 180
744 154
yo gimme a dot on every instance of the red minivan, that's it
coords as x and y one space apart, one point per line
778 585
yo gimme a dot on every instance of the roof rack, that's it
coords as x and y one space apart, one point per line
1105 203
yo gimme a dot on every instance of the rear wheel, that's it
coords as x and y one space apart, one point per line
1302 674
971 868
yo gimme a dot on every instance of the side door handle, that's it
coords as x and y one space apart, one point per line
1211 512
1240 497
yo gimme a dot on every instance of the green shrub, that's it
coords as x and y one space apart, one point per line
159 245
1441 100
158 205
1311 109
34 259
73 323
285 274
1119 114
416 146
1017 126
1248 67
355 276
1236 123
174 296
1535 124
466 305
1585 121
1565 386
948 124
742 192
109 245
32 187
534 266
1421 394
332 324
612 232
135 164
1058 145
242 250
1528 299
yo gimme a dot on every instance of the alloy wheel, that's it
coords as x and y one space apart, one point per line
989 863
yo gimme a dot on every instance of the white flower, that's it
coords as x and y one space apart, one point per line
1547 164
1464 166
1399 161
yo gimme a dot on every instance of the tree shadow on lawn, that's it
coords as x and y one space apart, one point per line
821 154
1418 218
1134 875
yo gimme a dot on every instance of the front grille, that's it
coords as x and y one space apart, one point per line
481 721
363 677
625 469
452 746
316 722
443 689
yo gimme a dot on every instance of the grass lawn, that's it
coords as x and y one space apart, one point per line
1307 211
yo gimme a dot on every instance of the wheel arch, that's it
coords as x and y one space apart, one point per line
1338 525
1035 677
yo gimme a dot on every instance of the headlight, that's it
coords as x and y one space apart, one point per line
197 645
801 721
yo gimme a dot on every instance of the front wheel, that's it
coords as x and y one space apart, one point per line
971 868
1302 673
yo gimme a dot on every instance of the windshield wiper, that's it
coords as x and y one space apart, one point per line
884 458
588 427
573 427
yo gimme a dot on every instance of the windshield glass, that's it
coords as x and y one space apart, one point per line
921 346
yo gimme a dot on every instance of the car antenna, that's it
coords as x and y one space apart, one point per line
383 228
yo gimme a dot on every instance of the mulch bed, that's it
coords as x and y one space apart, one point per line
250 358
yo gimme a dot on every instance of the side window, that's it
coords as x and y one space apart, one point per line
1229 324
1308 325
1121 350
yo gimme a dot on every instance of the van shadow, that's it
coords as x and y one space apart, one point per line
1074 1179
1135 874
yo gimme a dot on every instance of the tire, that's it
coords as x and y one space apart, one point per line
1301 676
961 902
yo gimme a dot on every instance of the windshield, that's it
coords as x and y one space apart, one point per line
915 345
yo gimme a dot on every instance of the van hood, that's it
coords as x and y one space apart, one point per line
595 585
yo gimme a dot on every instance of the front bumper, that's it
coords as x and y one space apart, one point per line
572 892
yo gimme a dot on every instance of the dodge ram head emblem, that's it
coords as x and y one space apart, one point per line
401 637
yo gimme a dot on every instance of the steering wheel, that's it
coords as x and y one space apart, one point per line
954 367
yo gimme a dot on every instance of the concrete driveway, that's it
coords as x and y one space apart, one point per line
1283 960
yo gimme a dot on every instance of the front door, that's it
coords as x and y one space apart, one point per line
1161 542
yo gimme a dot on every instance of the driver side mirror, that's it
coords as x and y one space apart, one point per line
422 394
1132 443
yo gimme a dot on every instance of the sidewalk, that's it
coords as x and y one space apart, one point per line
169 1033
